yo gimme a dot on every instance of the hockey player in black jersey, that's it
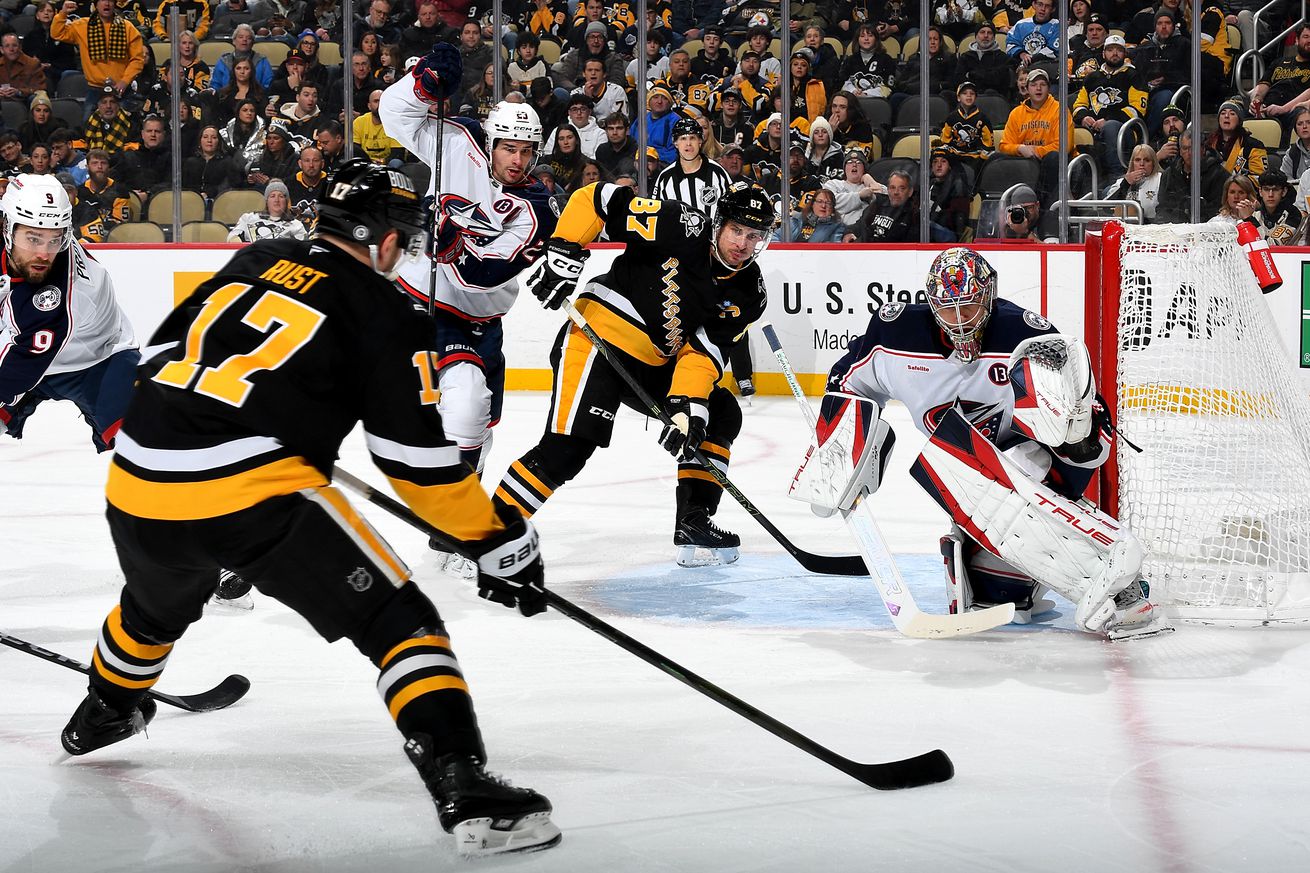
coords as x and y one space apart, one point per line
1015 432
225 459
682 292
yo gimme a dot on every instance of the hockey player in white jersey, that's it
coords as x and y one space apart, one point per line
1015 432
492 220
62 334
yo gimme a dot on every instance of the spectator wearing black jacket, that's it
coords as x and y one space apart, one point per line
617 155
59 57
949 195
1176 185
941 67
209 170
427 30
148 167
986 64
1164 63
714 59
892 217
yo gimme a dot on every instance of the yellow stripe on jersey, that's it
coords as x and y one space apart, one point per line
430 640
575 363
424 686
114 622
621 333
580 222
185 501
461 509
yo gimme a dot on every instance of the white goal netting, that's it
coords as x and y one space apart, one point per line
1220 493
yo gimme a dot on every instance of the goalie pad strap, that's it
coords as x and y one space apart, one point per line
1079 552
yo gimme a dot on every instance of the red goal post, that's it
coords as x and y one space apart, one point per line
1191 366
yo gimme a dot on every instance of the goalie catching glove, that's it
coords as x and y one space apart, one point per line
557 276
510 570
690 421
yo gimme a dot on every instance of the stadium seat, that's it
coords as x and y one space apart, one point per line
692 46
72 86
204 232
14 113
550 50
1267 130
212 49
134 208
274 50
882 169
70 112
997 109
231 205
136 232
906 147
877 111
161 51
907 114
891 45
419 173
329 54
1000 172
1082 137
23 24
159 208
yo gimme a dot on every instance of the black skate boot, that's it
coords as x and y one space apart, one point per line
233 591
486 815
95 724
696 530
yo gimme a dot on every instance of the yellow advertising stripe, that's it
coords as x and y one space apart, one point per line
110 676
1189 400
425 686
430 640
144 651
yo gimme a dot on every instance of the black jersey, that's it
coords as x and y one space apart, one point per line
665 297
249 387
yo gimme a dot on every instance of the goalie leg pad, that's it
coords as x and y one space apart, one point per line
1077 551
852 446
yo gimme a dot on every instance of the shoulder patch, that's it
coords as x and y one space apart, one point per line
47 298
694 222
891 311
1036 321
554 206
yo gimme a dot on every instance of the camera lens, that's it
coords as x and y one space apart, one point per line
1018 214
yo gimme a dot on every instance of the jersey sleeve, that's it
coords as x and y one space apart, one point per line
627 218
36 327
465 167
405 439
854 372
497 260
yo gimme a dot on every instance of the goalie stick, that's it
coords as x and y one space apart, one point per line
222 695
925 769
832 565
886 576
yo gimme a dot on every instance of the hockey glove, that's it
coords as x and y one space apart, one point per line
510 571
437 74
555 280
690 418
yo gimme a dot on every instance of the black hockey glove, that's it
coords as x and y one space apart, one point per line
555 280
510 570
437 74
690 419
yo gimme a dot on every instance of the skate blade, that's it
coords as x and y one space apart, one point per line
695 556
1128 634
481 837
238 605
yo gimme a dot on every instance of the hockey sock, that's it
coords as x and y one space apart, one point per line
697 487
125 662
532 479
420 680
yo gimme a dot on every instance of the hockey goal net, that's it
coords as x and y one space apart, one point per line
1189 361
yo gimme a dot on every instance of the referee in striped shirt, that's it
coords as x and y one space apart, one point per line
693 179
699 182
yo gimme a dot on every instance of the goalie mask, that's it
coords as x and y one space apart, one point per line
962 294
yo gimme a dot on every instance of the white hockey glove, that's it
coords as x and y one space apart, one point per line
510 571
691 419
556 278
1053 389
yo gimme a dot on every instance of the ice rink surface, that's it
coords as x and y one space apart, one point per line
1178 754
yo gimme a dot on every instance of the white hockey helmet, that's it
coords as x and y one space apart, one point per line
37 201
516 121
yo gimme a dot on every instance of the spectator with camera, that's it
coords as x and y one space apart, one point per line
1021 216
1176 184
1172 123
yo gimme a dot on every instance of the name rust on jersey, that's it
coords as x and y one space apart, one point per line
292 276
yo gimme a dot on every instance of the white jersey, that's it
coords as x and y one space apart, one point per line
481 285
66 323
903 356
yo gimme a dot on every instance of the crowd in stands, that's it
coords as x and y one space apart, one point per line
273 122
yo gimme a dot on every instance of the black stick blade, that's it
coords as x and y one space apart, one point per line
925 769
221 696
831 565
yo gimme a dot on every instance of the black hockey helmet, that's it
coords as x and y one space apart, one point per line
363 201
686 127
747 204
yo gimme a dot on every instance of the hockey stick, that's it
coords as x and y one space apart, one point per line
886 576
222 695
436 206
833 565
923 769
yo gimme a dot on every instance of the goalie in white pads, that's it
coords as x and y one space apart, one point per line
1015 433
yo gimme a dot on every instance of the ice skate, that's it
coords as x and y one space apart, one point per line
233 592
96 724
746 388
452 564
486 815
1135 616
700 542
